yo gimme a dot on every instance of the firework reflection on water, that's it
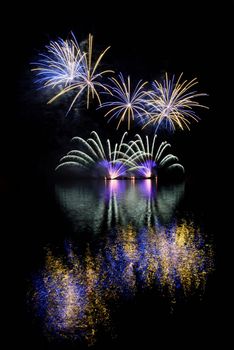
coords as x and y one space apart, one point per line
73 293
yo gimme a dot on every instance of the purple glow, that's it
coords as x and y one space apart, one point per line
148 188
115 186
112 169
147 168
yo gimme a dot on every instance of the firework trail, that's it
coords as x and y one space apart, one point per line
110 162
89 79
149 158
135 157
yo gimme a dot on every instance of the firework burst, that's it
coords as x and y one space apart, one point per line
89 78
170 104
107 161
60 65
128 103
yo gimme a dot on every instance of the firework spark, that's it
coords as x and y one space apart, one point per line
135 157
148 158
128 103
107 161
170 104
89 78
61 64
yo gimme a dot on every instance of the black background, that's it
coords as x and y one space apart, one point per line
146 40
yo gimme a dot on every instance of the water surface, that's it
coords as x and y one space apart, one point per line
125 241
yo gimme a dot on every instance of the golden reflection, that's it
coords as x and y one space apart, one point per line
74 293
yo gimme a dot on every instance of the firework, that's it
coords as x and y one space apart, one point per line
148 158
110 162
61 64
126 103
170 104
89 78
135 157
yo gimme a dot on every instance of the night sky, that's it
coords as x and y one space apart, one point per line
146 40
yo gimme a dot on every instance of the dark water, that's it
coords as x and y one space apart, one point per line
117 203
115 263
